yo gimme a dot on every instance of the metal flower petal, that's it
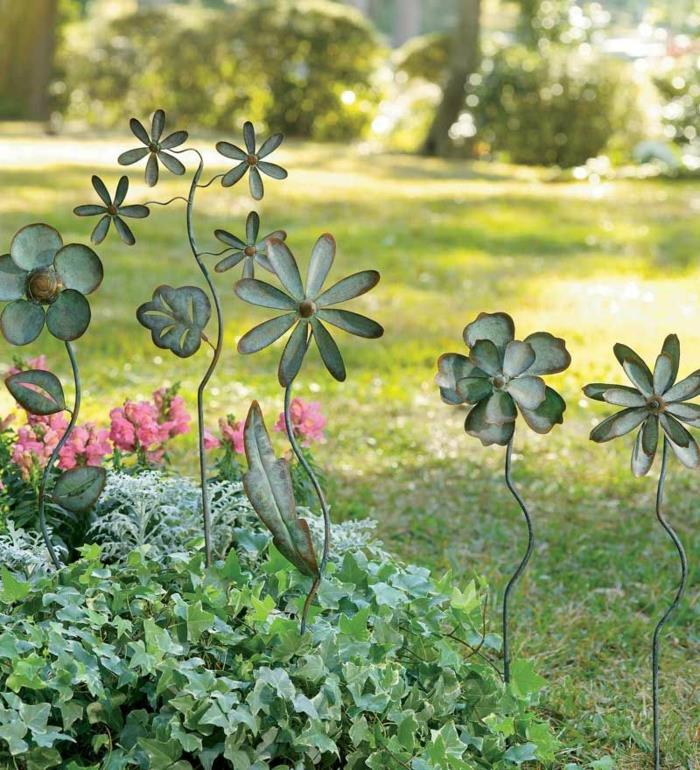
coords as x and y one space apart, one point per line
250 251
155 148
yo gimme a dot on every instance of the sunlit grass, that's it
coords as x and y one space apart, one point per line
593 263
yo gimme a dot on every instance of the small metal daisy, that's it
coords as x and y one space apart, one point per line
112 211
250 251
251 161
155 147
307 308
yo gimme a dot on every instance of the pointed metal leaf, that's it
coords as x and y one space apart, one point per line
79 489
37 391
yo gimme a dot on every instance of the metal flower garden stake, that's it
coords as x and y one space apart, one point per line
178 316
45 283
500 377
657 405
306 310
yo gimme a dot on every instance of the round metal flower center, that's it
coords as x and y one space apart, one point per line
249 251
252 160
307 308
112 210
44 285
499 381
154 146
656 405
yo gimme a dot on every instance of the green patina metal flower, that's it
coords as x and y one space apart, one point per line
251 161
45 281
155 147
307 308
501 376
655 400
249 251
112 211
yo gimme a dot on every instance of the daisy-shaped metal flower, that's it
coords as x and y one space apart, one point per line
112 211
502 376
155 147
656 400
249 251
252 161
306 308
45 281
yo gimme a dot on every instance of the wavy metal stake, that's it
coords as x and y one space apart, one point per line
45 283
501 377
307 309
656 401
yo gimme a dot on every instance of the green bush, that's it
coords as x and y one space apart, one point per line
303 67
168 667
680 90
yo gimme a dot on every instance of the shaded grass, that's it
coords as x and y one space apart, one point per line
593 263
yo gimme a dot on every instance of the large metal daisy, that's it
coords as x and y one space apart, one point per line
155 147
252 161
306 308
112 211
251 251
655 402
502 376
46 282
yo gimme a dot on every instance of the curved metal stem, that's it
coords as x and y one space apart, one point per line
321 499
522 565
679 595
54 455
206 509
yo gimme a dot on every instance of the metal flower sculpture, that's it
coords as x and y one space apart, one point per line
501 377
307 309
113 210
252 161
155 147
252 251
658 404
45 283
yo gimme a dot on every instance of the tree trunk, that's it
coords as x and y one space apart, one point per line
464 61
27 41
408 19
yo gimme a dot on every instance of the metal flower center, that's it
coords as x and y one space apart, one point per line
154 146
307 308
499 381
656 405
252 160
112 210
44 285
249 251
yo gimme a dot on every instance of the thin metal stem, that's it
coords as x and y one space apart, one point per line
679 595
165 203
210 182
206 509
321 499
54 455
522 565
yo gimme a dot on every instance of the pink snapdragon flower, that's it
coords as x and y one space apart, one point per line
173 414
210 441
308 422
232 433
87 445
36 441
39 362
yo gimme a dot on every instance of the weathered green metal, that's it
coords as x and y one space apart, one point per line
251 251
112 211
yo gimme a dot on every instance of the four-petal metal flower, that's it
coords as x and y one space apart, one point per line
45 281
502 375
655 400
155 148
250 160
112 211
306 308
249 251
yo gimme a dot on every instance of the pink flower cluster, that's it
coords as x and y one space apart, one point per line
146 426
36 441
231 431
87 445
308 422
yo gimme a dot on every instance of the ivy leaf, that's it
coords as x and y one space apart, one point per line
176 318
37 391
198 621
78 490
520 754
525 680
13 734
13 590
268 484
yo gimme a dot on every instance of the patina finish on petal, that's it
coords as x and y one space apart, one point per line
155 148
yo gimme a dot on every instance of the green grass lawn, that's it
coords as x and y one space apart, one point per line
595 263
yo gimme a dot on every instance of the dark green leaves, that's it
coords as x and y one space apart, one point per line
37 391
176 318
268 484
79 489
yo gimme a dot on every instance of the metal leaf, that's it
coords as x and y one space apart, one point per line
268 484
176 318
79 489
37 391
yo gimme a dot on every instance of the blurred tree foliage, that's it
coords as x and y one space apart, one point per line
680 90
301 66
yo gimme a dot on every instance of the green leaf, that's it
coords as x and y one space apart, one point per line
198 621
519 754
37 391
13 735
524 679
13 590
268 484
78 490
162 754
